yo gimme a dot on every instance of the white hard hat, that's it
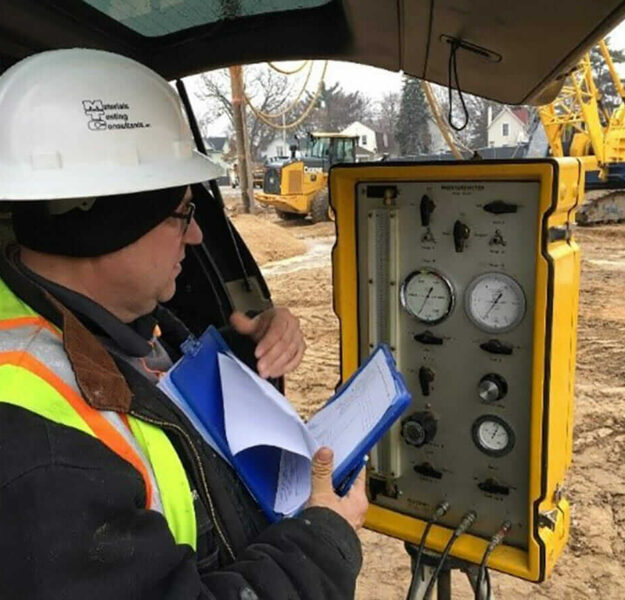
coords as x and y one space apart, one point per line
85 123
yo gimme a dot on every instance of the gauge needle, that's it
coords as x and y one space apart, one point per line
426 298
493 304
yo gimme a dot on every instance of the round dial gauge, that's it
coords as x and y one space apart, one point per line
427 295
495 302
492 435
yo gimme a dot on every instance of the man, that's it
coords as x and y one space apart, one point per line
106 490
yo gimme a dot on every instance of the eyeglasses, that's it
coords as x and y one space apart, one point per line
185 216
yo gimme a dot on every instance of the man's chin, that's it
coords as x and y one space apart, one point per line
168 293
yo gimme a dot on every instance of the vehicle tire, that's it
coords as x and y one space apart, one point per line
288 216
320 207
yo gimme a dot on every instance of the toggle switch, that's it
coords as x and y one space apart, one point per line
427 470
461 235
499 207
427 207
427 337
490 486
496 347
426 377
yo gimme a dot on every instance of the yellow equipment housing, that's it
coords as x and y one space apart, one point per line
397 227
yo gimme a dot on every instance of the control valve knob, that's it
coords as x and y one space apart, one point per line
419 428
492 387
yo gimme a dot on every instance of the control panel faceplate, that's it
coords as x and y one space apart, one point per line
456 302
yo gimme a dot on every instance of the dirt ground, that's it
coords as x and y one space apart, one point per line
593 565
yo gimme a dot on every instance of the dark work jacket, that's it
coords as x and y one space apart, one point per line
72 520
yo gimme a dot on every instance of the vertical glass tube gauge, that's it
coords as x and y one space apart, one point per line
495 302
427 295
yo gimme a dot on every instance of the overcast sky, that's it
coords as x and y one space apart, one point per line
353 77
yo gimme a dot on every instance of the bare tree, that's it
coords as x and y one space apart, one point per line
268 91
386 112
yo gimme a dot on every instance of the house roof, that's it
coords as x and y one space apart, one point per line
216 143
521 113
518 112
363 151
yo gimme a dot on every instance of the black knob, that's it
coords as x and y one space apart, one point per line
427 208
419 429
461 235
492 387
426 377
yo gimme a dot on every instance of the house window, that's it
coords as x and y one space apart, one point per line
363 140
279 151
505 129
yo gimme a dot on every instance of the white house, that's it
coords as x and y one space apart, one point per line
366 137
508 127
279 147
216 147
372 144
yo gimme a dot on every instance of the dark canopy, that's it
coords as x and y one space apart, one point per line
514 52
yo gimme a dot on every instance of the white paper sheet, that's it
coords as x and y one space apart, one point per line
353 415
246 424
276 424
340 425
294 484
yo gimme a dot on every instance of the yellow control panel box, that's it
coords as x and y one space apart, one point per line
469 272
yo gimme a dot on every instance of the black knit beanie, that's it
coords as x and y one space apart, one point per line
111 222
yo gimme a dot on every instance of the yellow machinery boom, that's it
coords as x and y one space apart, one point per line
578 124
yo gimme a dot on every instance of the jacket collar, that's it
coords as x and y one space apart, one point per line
102 384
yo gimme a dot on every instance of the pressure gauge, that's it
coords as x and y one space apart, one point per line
427 295
495 302
492 435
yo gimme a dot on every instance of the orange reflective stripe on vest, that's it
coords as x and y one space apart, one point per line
36 375
25 321
100 427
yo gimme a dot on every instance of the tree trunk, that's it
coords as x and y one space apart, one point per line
244 166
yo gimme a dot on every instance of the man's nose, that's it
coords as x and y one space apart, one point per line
193 235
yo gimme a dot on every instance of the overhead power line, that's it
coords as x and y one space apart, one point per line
260 115
286 72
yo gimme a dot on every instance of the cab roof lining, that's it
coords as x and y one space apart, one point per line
538 42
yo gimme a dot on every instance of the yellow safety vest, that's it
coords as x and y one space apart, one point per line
36 375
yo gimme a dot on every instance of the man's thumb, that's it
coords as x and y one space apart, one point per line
322 471
242 323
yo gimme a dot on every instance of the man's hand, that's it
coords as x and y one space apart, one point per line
279 339
353 506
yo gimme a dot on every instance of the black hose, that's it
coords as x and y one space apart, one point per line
467 520
483 571
441 509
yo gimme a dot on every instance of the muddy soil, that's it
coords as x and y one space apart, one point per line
593 565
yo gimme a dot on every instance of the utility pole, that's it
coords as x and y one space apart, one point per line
243 147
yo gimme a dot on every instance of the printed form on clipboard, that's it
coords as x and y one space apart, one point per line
255 428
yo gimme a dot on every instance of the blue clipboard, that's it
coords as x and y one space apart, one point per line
345 474
197 379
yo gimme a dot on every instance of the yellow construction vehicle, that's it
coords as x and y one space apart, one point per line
577 124
299 186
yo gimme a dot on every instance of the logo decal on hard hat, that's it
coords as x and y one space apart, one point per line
114 115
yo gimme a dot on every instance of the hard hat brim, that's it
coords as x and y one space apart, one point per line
18 183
